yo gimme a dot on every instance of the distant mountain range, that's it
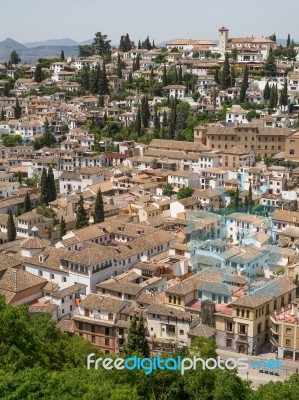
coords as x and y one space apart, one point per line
31 51
57 42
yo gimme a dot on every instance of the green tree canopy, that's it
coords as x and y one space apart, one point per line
99 214
185 192
14 57
81 214
11 229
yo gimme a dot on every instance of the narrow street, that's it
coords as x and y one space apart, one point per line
257 378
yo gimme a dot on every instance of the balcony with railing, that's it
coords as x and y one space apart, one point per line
94 316
284 315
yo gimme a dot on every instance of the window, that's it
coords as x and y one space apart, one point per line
181 332
229 326
40 273
93 339
63 278
52 276
288 331
243 313
92 328
107 331
242 329
225 299
288 342
107 342
213 297
200 294
81 326
238 312
229 343
247 313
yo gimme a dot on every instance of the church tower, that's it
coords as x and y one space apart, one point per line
223 39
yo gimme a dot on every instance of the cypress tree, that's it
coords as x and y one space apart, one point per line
244 85
145 111
288 40
225 76
164 119
119 67
62 55
272 97
270 64
62 227
237 199
17 110
27 203
139 44
156 119
217 75
20 178
131 342
128 42
103 81
266 93
85 78
142 343
138 122
147 44
43 198
52 194
94 75
99 215
11 228
134 65
2 118
153 45
130 78
250 198
246 203
275 96
101 102
81 214
284 95
180 76
233 77
137 63
48 137
164 78
38 73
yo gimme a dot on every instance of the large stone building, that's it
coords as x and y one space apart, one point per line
265 142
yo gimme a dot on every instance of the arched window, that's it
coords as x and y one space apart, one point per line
238 312
243 313
174 299
179 301
170 299
247 313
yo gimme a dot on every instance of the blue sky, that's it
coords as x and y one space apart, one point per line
37 20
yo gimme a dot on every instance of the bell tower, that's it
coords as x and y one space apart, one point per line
223 39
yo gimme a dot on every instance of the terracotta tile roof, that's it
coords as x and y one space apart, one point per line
60 294
102 303
168 311
35 243
15 280
202 330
